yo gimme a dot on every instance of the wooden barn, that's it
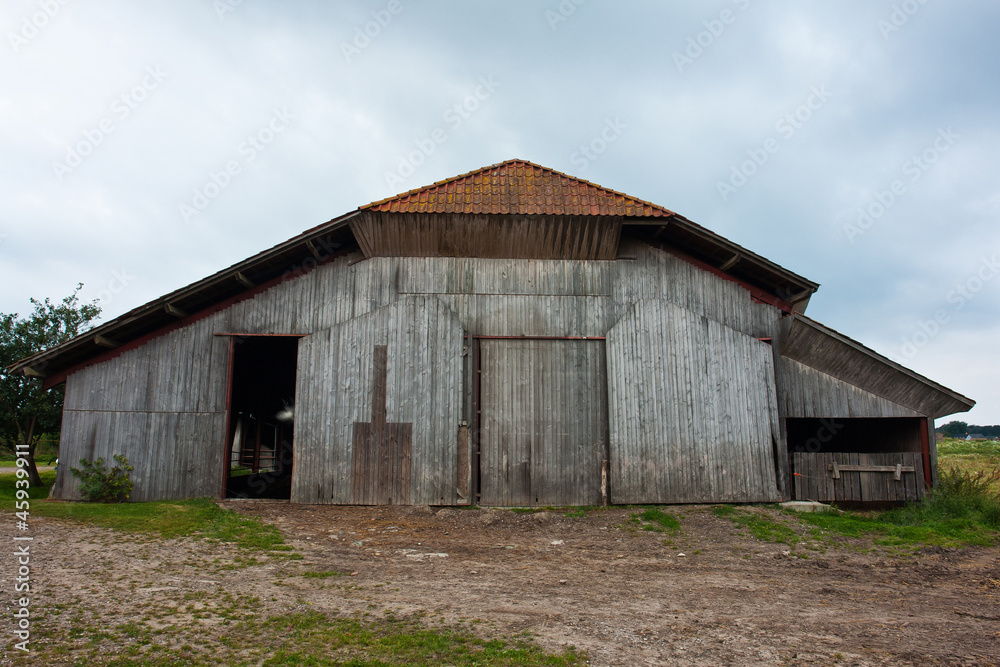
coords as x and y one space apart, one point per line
512 336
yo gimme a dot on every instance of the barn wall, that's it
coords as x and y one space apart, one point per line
175 454
163 404
423 388
806 392
692 410
517 297
544 421
655 274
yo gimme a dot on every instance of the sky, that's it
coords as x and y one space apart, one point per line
144 146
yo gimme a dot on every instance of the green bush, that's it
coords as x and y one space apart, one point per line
100 485
964 484
966 495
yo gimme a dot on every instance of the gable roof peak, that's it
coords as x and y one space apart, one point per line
518 187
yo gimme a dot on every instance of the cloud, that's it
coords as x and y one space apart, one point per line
560 84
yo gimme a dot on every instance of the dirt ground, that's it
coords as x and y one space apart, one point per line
709 595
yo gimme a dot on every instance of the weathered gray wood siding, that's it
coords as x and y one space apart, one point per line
162 405
524 297
655 274
463 235
163 447
182 374
543 423
826 350
423 388
693 411
815 481
806 392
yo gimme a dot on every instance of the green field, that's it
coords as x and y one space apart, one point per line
981 457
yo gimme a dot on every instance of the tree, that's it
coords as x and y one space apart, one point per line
27 410
955 429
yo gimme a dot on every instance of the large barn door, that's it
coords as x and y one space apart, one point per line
379 407
543 422
693 410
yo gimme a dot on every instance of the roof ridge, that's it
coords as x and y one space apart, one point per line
449 188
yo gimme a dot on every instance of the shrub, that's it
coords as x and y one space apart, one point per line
956 483
100 485
962 499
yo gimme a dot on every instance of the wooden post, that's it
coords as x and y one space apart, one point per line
604 483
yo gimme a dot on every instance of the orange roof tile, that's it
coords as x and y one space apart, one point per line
518 187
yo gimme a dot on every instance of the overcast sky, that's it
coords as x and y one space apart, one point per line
148 145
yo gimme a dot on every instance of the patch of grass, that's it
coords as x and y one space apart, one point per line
307 638
198 517
723 511
655 520
760 525
313 638
581 511
322 575
657 517
8 487
964 510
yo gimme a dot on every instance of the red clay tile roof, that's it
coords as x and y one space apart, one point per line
518 187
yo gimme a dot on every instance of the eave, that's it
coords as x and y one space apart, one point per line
814 344
188 304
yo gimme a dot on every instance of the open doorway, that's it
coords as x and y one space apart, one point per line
868 461
260 452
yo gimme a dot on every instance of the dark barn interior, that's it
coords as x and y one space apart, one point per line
857 434
261 425
859 460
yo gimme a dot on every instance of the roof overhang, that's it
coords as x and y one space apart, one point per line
807 341
240 281
724 256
